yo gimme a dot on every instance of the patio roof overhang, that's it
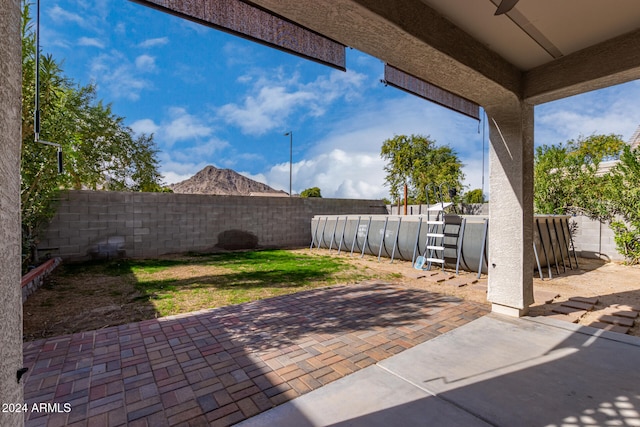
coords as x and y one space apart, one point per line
540 51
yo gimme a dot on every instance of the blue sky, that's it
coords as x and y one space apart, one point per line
211 98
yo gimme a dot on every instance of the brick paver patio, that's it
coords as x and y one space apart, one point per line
220 366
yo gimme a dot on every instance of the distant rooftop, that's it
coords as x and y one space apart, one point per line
269 194
635 139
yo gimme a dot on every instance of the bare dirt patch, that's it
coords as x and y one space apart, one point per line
613 283
82 303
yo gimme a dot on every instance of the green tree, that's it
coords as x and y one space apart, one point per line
621 204
100 151
553 178
473 196
567 180
594 149
416 161
311 192
566 177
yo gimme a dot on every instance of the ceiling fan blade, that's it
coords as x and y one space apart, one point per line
505 6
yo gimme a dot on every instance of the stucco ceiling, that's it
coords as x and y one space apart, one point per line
535 32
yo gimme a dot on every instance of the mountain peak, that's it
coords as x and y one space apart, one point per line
212 180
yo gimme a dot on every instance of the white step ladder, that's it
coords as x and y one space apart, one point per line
444 230
434 250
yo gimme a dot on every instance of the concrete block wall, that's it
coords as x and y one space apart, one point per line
112 224
463 208
594 239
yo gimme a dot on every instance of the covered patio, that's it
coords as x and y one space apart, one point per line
537 52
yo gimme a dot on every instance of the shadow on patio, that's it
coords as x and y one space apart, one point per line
495 371
223 365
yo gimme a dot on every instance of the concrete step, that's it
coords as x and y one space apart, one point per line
588 300
564 318
609 327
568 310
616 320
577 304
616 312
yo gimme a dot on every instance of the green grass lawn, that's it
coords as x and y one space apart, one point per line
96 294
194 282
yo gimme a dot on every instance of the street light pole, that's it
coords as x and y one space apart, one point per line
290 135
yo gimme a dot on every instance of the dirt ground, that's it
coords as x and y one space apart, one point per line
111 302
611 282
69 306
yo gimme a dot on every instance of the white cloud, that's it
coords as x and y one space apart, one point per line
197 144
146 126
272 100
198 29
238 53
612 110
171 177
209 148
473 174
183 126
338 84
265 111
346 163
178 170
337 174
355 142
145 63
115 73
120 29
89 41
55 38
201 151
250 156
60 15
159 41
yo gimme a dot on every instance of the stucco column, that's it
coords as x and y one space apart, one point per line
10 292
511 208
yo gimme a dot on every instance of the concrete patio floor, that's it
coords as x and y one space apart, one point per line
494 371
222 366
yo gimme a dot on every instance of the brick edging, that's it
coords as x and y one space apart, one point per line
35 278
